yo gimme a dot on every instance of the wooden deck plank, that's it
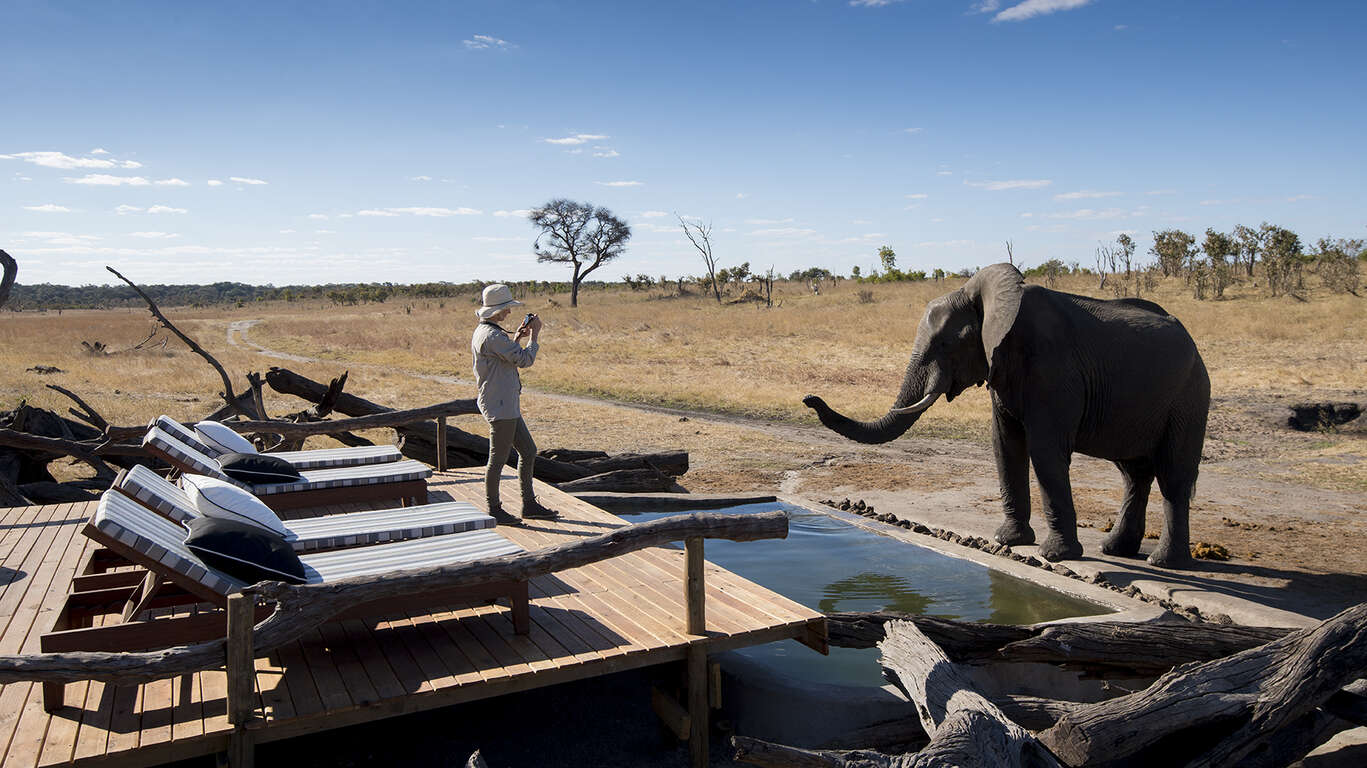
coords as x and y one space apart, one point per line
377 667
322 666
415 632
349 666
23 723
406 668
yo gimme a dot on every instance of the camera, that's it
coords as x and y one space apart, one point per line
527 320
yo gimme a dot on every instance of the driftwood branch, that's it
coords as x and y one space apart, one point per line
769 755
10 271
227 394
86 414
84 451
1106 649
299 609
1222 710
964 727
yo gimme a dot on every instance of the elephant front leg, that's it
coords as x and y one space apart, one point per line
1013 473
1056 493
1128 532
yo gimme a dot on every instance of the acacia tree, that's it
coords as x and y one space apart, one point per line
700 235
1218 247
1174 249
577 234
1251 243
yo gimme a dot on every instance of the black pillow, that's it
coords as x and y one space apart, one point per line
244 551
257 468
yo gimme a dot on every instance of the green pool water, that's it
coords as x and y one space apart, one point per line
830 565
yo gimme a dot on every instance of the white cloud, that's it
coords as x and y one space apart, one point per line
171 183
126 209
652 214
1032 8
488 239
767 222
62 238
936 220
1298 198
324 231
99 151
421 211
214 183
740 195
287 231
242 180
419 178
912 130
998 186
986 6
47 208
318 216
1088 214
606 152
918 196
485 42
863 238
784 232
944 173
945 244
1121 27
520 213
620 183
872 3
60 160
1085 194
154 235
578 138
165 209
1215 202
106 180
1161 192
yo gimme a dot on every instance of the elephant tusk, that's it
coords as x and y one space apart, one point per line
925 403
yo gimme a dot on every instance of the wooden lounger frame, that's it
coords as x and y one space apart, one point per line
408 492
97 591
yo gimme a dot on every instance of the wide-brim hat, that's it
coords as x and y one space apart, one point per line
497 297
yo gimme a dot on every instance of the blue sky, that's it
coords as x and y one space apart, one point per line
288 142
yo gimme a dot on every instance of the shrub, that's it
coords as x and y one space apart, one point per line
865 296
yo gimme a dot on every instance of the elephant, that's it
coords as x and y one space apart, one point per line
1120 380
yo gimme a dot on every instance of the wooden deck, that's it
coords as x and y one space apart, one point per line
619 614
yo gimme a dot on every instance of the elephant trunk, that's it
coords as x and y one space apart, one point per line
921 386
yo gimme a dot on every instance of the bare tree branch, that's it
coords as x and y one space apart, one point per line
227 393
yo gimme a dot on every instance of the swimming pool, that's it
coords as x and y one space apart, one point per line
831 565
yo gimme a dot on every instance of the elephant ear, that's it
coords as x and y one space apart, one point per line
997 290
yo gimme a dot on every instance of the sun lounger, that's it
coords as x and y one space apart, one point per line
320 458
172 577
347 529
405 480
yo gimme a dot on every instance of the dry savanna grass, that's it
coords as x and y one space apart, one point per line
684 352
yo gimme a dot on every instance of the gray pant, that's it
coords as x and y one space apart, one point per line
505 434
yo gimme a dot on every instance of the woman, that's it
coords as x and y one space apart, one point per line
497 358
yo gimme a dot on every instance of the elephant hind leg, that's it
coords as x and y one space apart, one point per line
1128 532
1177 469
1010 450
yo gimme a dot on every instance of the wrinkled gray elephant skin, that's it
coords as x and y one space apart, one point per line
1119 380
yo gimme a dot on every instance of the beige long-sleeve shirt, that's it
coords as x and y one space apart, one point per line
497 358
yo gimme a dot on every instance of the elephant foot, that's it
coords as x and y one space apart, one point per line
1057 548
1014 533
1168 556
1120 544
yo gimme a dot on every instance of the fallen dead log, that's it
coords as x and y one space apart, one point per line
299 609
671 463
621 481
635 503
47 492
1103 649
570 455
1222 710
964 727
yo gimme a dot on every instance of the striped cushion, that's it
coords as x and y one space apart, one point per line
185 458
156 493
382 525
349 477
402 555
145 531
340 457
182 433
349 529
